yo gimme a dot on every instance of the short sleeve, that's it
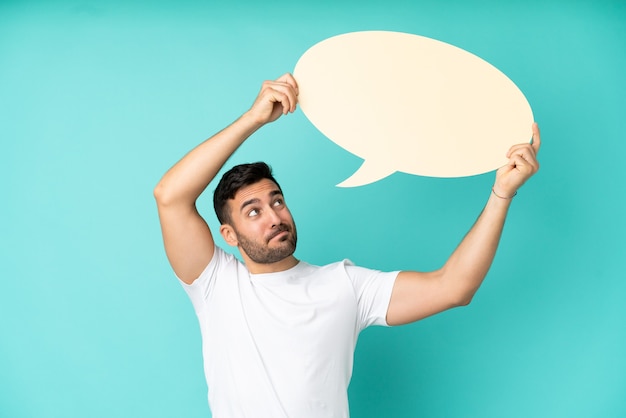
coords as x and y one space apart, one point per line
373 292
200 290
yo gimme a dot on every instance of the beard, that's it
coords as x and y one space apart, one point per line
260 251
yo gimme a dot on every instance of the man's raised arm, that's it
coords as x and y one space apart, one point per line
188 241
417 295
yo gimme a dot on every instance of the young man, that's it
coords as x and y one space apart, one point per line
279 334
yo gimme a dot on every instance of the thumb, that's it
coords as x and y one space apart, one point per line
536 141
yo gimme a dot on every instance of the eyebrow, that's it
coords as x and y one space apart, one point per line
257 200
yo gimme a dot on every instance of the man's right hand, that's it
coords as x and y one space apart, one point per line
276 98
188 241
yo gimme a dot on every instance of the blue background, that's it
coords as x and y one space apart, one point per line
98 99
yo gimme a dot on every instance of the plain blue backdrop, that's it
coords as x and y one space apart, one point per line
98 99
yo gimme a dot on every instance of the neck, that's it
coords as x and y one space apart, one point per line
260 268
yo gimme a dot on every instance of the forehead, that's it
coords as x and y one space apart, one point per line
260 189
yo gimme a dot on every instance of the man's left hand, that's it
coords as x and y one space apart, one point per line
522 165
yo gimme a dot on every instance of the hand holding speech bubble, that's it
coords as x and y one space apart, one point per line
408 103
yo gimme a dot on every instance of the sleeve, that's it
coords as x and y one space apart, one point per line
201 289
373 293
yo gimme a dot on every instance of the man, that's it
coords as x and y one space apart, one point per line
279 334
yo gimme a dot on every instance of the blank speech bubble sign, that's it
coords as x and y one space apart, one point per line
408 103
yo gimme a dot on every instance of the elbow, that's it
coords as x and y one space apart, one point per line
464 299
161 194
158 192
464 302
459 290
167 197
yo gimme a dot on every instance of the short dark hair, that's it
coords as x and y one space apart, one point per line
234 179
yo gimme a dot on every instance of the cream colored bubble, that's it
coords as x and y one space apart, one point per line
408 103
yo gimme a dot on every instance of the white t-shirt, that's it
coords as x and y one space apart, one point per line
282 344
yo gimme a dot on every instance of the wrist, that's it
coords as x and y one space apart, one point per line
503 195
251 121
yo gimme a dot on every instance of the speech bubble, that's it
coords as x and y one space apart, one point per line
408 103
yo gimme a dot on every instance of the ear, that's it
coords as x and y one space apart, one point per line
229 235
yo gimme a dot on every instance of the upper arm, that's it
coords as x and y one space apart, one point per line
188 241
417 295
372 291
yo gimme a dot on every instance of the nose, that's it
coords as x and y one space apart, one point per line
275 220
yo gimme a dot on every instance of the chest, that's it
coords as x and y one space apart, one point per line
306 315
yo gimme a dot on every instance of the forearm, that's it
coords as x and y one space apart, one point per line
187 179
468 265
417 295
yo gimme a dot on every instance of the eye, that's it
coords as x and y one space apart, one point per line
278 202
253 212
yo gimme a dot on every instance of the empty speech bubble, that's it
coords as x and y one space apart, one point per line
408 103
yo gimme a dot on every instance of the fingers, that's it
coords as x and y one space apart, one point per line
283 91
277 97
536 141
523 164
523 157
513 175
527 151
288 78
287 89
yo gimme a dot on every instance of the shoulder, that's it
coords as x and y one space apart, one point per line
222 264
358 276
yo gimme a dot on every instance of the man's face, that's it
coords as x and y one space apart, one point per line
262 223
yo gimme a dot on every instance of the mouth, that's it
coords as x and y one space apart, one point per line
280 234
